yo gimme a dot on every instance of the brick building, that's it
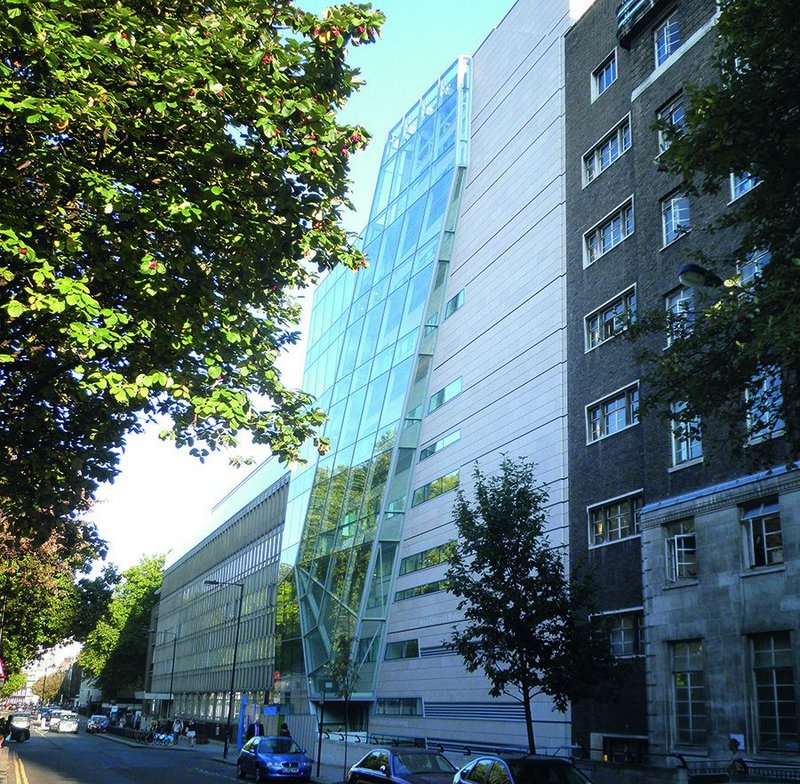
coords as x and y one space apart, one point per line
693 546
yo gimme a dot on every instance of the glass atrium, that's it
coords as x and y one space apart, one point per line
368 363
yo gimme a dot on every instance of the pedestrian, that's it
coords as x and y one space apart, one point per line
737 766
177 728
284 731
191 731
255 728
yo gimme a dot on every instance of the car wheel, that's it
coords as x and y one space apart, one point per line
240 774
260 775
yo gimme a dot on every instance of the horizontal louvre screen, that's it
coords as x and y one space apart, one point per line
477 711
437 650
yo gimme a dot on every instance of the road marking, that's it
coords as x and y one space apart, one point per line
20 777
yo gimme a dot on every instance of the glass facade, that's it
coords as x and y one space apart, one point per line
368 362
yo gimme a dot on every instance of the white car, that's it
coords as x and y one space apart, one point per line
67 723
53 718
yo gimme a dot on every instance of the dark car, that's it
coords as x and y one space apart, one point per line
97 723
520 769
273 758
402 765
18 726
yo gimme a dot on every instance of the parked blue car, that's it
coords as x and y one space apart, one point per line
269 758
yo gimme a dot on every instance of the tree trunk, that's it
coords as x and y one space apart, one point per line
346 730
526 704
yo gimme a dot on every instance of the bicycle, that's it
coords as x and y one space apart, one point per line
161 739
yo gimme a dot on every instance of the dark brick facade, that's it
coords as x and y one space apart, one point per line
638 458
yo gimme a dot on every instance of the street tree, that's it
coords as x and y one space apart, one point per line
115 650
171 174
39 606
49 686
526 624
13 683
343 669
90 601
739 352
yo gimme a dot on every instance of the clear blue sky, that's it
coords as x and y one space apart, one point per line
162 500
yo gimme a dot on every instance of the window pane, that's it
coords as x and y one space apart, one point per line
776 704
688 692
667 39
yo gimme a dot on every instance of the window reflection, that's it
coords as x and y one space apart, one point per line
364 369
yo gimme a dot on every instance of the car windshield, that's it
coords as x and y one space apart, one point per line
278 746
69 717
422 763
546 772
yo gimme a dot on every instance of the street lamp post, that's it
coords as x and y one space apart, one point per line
240 586
172 670
325 686
44 683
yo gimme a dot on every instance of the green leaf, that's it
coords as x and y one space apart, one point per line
15 309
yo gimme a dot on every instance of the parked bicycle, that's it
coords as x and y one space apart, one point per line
161 739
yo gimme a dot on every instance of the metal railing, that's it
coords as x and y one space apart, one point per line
629 9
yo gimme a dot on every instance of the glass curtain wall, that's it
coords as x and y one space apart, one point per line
342 528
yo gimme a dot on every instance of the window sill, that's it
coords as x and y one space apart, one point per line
687 464
756 440
756 570
589 349
588 263
614 541
587 183
734 199
598 94
671 586
610 435
675 56
677 239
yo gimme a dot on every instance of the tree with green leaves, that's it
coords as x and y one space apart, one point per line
526 624
343 669
49 686
740 349
115 650
39 603
172 172
90 601
13 683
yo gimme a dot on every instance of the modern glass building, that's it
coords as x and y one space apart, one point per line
369 364
446 351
